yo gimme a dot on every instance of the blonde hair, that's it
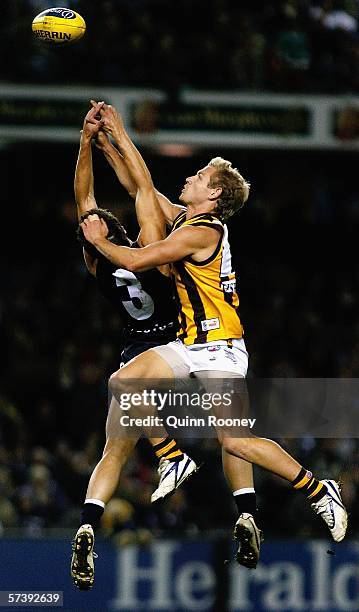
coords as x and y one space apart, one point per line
235 189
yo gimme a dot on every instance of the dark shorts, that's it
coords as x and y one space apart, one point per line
136 347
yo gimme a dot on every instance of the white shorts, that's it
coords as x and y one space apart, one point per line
213 356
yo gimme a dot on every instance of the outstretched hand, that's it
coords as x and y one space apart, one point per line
92 122
94 228
112 121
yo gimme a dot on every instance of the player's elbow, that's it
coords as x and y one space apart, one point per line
133 265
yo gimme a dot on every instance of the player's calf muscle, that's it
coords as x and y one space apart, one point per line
239 447
118 448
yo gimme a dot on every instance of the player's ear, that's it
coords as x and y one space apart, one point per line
215 193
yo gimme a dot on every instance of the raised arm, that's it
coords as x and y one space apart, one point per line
117 163
148 211
83 183
157 210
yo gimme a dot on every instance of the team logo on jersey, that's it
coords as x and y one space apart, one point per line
209 324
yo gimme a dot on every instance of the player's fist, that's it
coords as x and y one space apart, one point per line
92 122
112 121
94 229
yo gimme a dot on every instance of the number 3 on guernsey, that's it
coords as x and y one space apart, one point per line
140 306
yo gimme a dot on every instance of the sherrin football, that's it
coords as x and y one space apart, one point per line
59 25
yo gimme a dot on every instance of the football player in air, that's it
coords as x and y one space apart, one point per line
210 339
146 303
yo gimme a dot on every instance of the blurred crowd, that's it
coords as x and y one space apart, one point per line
283 45
298 284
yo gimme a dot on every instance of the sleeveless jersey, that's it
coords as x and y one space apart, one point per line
206 291
144 300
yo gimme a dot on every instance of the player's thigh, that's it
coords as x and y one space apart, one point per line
221 381
147 365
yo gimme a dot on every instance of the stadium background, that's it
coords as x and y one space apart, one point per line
294 246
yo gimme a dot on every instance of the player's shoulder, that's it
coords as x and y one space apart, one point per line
204 220
199 219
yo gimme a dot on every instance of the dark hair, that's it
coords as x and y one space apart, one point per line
116 232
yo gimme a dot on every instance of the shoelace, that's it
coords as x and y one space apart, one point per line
327 512
163 466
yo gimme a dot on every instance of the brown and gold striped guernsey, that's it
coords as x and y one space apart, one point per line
206 291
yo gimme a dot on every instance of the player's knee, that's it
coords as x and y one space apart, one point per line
123 383
113 383
118 381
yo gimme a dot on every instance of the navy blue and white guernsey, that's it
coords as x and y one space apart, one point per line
145 302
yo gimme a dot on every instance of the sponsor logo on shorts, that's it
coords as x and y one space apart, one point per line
230 355
209 324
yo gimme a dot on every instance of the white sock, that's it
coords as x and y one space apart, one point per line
243 491
98 502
